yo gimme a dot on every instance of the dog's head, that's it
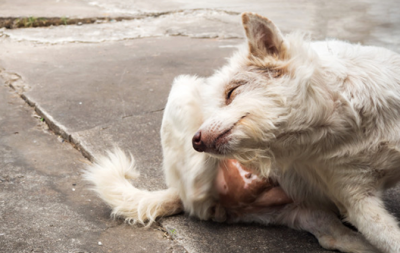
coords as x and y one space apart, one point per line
249 100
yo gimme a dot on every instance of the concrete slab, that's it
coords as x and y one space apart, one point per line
44 204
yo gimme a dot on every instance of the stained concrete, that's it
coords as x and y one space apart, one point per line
106 84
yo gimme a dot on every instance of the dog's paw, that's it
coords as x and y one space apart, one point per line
353 243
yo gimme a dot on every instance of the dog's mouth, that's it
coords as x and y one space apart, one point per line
220 143
221 140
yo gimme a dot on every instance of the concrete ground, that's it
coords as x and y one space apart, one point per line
70 92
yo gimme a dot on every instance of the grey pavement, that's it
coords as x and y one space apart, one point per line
68 93
44 205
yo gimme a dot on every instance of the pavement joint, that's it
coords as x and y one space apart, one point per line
14 81
177 23
32 21
10 79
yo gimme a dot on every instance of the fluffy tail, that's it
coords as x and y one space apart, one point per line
110 175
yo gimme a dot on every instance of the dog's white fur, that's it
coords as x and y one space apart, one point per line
190 178
321 117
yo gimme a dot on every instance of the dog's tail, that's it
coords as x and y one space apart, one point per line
110 175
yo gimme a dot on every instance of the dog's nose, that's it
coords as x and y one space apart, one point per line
197 143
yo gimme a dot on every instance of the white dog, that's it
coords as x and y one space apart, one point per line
321 118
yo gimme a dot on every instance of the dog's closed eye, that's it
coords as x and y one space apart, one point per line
233 91
230 93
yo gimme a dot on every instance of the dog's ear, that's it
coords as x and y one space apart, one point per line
263 36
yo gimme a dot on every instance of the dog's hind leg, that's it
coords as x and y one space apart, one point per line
327 228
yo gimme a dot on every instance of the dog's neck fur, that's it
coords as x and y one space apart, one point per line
334 96
314 81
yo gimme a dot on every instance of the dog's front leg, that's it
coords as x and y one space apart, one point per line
375 223
327 228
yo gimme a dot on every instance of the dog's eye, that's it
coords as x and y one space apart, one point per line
231 95
232 92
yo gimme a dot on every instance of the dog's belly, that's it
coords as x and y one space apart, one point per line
242 191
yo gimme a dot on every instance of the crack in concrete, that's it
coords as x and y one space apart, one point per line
14 80
30 22
144 113
159 110
194 23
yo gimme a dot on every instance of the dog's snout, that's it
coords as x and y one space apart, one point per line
197 143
